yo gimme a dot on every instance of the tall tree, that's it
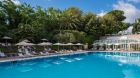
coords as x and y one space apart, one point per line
71 18
136 26
114 21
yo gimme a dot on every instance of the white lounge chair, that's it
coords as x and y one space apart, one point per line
114 49
21 55
118 49
110 49
2 54
44 53
27 53
19 50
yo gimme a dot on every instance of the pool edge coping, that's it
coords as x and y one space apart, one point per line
47 56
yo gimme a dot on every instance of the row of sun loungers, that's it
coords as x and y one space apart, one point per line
26 54
34 54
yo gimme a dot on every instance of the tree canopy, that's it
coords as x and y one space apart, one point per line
136 26
70 25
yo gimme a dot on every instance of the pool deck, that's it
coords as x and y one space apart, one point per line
12 59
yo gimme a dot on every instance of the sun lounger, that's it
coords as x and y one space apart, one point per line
110 49
27 53
21 55
34 53
19 50
41 53
79 50
118 49
44 53
61 52
115 49
71 51
58 52
30 54
2 54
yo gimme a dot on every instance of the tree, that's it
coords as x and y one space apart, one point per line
71 18
90 27
136 26
65 37
3 24
114 21
116 15
53 19
69 25
11 12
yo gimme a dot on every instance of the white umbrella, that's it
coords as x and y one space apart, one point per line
7 38
45 43
64 44
69 44
25 40
58 44
79 44
44 39
24 44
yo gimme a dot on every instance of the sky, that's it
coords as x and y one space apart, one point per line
131 8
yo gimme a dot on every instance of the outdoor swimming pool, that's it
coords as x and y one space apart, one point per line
89 65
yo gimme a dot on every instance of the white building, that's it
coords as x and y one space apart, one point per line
122 42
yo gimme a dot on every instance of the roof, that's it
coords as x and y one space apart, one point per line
124 39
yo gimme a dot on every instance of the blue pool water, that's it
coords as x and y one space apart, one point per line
91 65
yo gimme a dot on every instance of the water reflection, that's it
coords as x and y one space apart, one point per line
134 60
129 63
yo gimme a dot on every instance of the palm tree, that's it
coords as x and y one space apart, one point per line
71 18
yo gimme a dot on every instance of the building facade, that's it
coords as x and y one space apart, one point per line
118 43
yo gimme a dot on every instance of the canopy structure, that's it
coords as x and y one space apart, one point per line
6 38
25 40
44 39
45 44
118 43
69 44
24 44
58 44
79 44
